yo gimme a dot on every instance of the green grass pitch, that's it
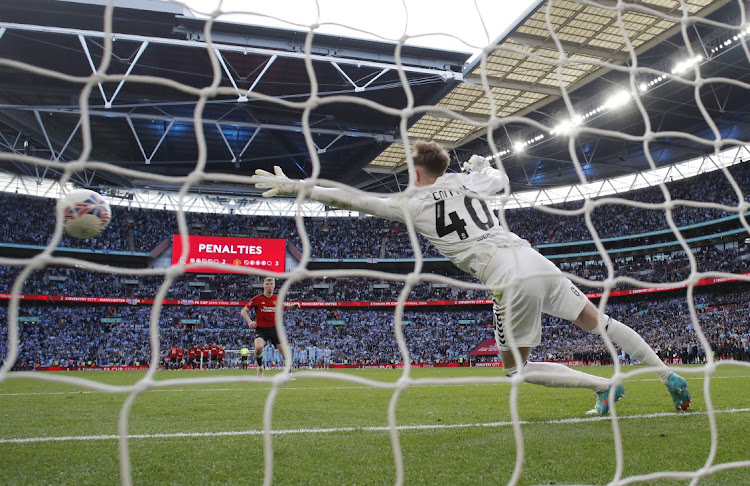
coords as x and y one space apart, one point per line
335 431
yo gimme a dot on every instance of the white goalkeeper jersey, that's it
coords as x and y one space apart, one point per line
450 213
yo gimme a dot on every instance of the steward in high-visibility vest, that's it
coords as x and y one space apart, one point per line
244 353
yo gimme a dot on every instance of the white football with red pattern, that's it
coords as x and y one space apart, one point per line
85 213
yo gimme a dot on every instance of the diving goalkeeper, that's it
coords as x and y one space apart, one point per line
446 209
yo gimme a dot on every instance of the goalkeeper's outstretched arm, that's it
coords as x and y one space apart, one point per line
383 207
485 179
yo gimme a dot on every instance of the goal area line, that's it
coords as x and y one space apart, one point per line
401 428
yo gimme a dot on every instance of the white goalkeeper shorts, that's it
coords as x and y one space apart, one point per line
524 284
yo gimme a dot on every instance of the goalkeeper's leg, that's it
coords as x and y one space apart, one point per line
521 305
560 376
632 343
552 374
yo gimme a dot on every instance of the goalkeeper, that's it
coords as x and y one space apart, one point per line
448 209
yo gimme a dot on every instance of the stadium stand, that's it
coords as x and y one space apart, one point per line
79 335
140 230
59 334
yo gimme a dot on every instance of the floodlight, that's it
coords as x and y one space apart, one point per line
618 99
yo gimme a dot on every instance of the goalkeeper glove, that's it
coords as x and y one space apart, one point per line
477 163
276 183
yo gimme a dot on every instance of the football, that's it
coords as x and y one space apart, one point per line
85 213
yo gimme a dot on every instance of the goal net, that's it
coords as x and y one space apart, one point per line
616 122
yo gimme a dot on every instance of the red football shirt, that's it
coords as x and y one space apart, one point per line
265 310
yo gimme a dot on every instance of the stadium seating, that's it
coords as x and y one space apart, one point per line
75 333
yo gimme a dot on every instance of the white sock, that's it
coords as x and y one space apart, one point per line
560 376
632 343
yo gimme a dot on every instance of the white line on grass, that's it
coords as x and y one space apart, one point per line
358 429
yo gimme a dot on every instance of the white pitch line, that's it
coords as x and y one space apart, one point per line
358 429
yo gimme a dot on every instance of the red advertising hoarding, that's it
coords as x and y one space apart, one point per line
487 348
264 253
313 304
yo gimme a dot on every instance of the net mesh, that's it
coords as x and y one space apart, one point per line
623 29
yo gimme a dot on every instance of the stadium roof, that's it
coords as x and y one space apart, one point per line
143 116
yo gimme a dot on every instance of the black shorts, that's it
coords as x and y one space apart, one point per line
268 334
243 359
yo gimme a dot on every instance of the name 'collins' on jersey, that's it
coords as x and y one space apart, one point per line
461 226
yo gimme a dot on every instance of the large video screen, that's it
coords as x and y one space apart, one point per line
267 254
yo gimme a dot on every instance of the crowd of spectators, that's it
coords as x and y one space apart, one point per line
58 334
644 269
76 333
82 282
140 230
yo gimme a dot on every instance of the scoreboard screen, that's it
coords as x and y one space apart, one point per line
265 253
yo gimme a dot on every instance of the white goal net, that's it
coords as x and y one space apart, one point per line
613 120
